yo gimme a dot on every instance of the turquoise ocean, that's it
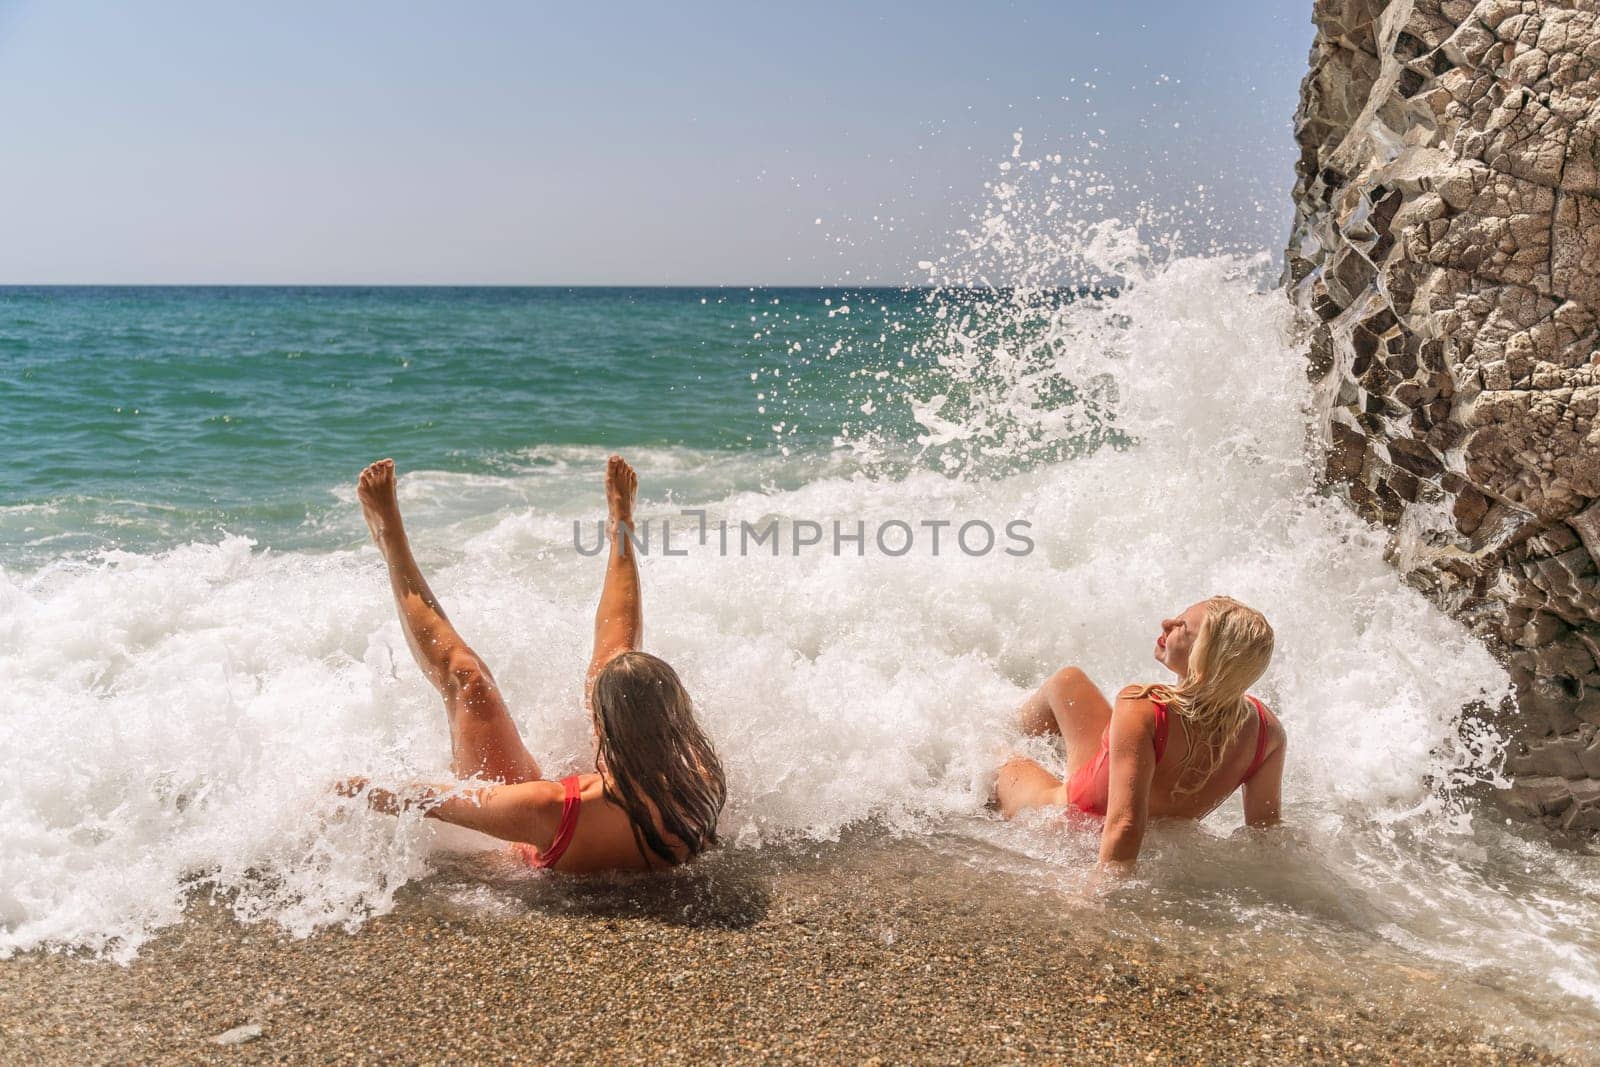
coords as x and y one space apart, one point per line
141 418
195 636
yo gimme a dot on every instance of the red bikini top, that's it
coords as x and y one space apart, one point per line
1261 736
571 804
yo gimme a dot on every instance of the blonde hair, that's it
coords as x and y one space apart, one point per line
1230 652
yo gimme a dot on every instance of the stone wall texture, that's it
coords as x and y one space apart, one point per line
1446 253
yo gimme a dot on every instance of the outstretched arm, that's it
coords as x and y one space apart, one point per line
525 811
1133 768
619 620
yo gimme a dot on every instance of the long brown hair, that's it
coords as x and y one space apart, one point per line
1230 652
656 761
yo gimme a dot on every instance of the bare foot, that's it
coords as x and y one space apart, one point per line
621 486
379 505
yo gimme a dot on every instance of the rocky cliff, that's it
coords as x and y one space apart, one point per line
1446 251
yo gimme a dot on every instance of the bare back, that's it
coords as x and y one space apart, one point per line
605 838
1237 757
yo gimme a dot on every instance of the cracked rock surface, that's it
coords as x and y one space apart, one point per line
1446 251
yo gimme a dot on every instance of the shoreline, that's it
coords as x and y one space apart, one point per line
886 953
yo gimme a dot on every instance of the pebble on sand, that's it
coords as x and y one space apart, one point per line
238 1035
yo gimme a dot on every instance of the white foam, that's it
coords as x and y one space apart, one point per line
172 721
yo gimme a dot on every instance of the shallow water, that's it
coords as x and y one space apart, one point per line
197 638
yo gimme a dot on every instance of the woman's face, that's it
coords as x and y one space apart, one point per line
1177 638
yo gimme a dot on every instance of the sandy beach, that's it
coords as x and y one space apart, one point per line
869 952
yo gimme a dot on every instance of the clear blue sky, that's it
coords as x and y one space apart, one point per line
616 143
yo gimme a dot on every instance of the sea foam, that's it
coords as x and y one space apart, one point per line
172 721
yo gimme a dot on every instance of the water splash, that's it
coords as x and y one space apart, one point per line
172 719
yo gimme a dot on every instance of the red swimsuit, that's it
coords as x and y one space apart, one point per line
571 802
1090 789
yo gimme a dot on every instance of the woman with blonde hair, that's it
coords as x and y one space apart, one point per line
1129 765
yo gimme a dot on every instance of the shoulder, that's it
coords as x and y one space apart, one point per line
1277 736
1132 710
1128 699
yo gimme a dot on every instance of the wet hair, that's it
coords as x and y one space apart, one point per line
656 761
1230 652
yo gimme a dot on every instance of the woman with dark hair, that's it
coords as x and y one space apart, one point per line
657 787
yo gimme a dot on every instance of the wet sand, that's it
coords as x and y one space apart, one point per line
880 952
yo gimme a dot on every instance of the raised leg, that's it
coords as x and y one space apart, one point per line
483 739
619 618
1069 704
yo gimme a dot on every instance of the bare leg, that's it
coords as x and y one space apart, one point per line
1067 704
483 739
1023 784
619 618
